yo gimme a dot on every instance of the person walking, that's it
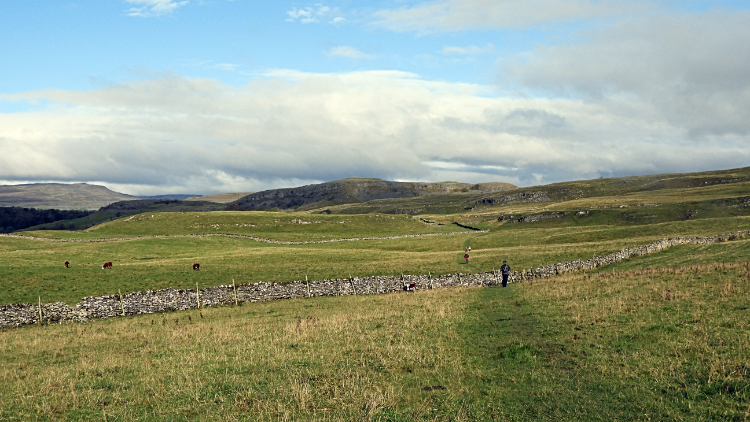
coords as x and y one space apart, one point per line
505 269
466 257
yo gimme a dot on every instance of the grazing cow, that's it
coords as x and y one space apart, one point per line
196 267
410 288
67 264
107 265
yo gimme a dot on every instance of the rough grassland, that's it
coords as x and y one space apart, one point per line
31 269
640 345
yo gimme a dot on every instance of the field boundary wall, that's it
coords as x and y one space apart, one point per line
153 301
239 236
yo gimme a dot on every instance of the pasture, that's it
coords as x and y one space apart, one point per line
660 337
32 269
651 344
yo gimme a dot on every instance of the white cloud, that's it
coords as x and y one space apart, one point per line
308 14
348 52
225 66
456 15
471 50
150 8
198 135
690 70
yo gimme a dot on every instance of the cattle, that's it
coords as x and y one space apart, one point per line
196 267
107 265
67 264
410 287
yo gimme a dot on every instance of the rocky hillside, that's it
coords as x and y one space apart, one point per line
221 198
62 196
354 190
615 186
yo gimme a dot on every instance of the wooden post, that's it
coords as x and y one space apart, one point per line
351 281
236 301
494 272
432 286
197 295
40 310
308 286
122 307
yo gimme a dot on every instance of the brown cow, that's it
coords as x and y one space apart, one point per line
67 264
107 265
196 267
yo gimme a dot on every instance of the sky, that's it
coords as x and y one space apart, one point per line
152 97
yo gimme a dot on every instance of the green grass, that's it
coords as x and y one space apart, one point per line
270 225
595 347
659 337
31 269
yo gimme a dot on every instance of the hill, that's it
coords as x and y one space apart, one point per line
128 208
616 186
62 196
641 191
221 198
354 190
175 196
659 336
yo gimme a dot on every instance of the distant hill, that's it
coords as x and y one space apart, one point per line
355 190
17 218
220 198
616 186
175 196
62 196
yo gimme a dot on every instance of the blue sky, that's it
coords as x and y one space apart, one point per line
199 96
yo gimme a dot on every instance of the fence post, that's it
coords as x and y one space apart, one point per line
432 286
122 307
197 295
40 310
308 286
236 302
351 281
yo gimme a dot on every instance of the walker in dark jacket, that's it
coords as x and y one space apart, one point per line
505 269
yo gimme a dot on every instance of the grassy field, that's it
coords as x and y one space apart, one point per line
31 269
653 344
659 337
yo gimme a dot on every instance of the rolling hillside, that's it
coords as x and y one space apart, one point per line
355 190
62 196
645 191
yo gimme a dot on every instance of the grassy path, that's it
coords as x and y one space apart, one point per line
522 369
658 346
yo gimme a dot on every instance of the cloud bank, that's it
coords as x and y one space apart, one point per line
459 15
631 88
181 134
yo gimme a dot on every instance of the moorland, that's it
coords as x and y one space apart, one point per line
659 337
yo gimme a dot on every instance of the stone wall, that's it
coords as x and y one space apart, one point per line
152 301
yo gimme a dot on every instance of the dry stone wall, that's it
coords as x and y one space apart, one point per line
152 301
236 236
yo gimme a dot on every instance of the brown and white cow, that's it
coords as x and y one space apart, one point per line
67 264
107 265
196 267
